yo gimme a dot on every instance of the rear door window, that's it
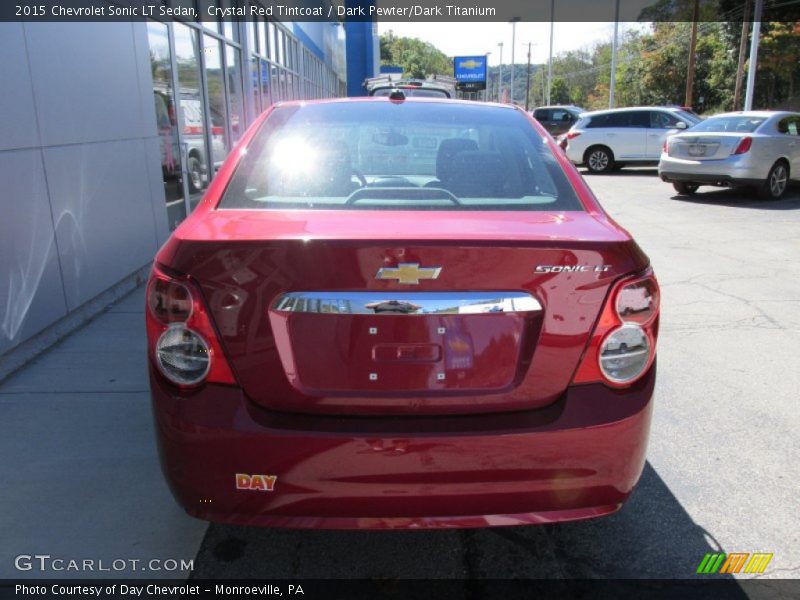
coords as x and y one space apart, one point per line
600 121
638 119
414 155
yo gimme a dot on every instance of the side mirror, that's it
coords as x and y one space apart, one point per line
680 125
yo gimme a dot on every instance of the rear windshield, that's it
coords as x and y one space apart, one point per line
737 124
412 91
409 155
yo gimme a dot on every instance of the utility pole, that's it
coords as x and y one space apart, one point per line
513 47
737 94
550 60
528 81
613 81
544 91
751 68
500 76
692 46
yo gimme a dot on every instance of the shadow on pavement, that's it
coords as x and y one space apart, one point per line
743 198
651 537
628 171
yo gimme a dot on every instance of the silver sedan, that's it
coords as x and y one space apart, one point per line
760 149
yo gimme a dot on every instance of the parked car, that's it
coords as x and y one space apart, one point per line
342 337
557 119
438 87
760 149
193 135
603 140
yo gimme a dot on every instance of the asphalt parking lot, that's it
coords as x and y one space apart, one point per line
723 462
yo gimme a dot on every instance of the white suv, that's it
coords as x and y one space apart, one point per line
605 139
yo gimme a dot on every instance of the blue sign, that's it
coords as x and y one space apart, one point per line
470 69
393 69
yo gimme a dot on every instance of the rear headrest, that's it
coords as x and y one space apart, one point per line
478 174
447 151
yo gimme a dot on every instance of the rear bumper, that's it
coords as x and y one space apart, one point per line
578 458
735 170
709 179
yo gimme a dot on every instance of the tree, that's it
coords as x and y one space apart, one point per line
417 58
559 92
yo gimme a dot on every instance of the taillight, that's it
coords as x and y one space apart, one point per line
623 343
744 145
563 140
665 147
182 342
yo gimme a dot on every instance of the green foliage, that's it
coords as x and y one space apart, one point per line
418 59
559 92
651 65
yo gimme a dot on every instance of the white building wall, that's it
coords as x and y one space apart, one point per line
82 200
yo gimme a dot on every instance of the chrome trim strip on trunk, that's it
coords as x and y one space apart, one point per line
406 303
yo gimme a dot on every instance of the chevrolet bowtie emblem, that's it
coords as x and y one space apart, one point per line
408 273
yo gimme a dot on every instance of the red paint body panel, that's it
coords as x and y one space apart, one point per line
504 438
240 281
578 458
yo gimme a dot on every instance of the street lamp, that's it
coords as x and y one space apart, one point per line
513 47
550 60
528 78
500 75
488 88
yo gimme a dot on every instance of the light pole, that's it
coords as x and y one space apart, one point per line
751 68
500 75
544 96
528 80
737 94
488 88
513 47
550 60
613 80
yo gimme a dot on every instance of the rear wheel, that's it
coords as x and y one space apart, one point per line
777 182
195 168
684 188
599 159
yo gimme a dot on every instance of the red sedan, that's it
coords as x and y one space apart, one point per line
400 313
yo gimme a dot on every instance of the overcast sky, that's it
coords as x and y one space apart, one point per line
460 39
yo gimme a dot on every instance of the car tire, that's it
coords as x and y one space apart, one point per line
599 159
195 172
684 188
776 183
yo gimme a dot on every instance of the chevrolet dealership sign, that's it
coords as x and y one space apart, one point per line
470 73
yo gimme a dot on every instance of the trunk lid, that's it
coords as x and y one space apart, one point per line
316 315
707 146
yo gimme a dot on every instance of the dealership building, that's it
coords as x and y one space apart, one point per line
111 131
